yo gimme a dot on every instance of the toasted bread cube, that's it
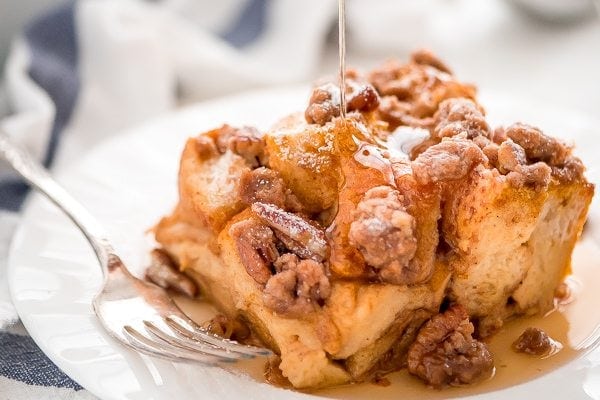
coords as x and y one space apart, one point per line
304 157
512 245
208 184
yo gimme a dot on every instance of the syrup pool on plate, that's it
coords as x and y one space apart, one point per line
574 325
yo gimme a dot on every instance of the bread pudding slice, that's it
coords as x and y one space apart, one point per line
393 238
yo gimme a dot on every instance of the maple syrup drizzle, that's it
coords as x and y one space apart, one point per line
342 54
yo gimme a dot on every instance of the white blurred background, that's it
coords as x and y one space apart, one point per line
541 49
14 14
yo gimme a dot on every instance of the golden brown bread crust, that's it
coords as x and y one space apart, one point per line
335 246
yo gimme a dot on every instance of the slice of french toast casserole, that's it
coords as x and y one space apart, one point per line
395 237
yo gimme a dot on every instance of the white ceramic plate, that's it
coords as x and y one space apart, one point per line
130 181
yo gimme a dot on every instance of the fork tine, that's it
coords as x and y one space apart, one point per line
188 337
160 350
192 345
190 330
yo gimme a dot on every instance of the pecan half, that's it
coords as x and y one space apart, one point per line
163 272
300 235
255 243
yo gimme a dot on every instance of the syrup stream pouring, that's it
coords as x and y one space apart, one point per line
342 54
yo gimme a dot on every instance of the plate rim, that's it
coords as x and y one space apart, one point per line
33 200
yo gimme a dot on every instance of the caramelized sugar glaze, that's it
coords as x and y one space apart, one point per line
414 193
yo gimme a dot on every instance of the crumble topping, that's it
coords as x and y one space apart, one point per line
445 352
384 232
542 148
284 253
538 146
534 341
398 113
412 92
459 116
512 161
449 160
298 287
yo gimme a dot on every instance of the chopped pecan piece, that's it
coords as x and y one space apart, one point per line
498 135
426 57
273 373
255 243
306 236
265 185
246 142
491 152
384 233
323 105
227 328
562 292
206 147
571 171
397 112
299 286
445 353
510 156
512 161
363 98
538 146
451 159
534 341
163 272
391 79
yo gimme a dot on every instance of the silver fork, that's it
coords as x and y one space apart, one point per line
138 314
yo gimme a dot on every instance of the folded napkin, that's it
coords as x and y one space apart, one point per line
89 69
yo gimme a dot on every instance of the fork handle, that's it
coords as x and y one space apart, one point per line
39 177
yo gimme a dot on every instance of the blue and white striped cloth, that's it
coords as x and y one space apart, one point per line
89 69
